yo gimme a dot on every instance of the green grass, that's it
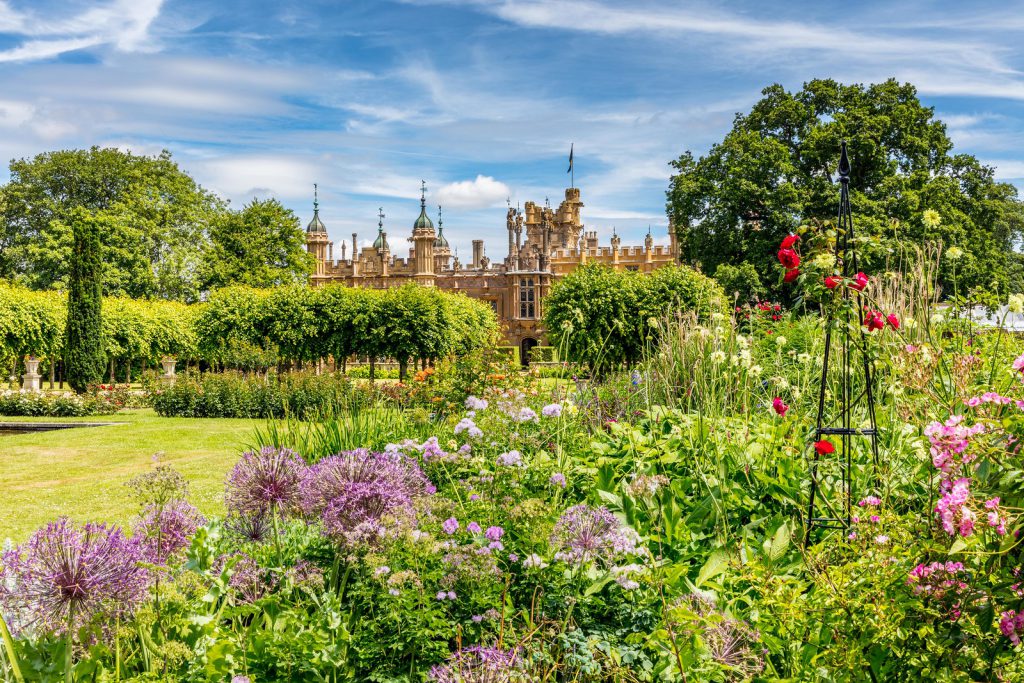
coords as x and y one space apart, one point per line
81 473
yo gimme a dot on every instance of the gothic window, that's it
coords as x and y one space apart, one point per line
526 298
632 268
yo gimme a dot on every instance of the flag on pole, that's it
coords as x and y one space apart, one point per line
571 144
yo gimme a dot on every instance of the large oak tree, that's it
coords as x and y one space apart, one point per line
776 170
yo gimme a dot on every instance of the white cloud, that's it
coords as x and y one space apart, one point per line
124 24
240 178
483 192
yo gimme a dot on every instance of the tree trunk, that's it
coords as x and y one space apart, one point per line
373 369
113 378
53 372
403 366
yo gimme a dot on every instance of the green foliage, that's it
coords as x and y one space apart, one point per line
230 394
41 404
773 171
151 215
263 245
83 346
544 354
605 318
741 283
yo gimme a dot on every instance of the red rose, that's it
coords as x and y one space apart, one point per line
874 321
791 275
780 407
824 447
894 322
789 258
860 281
832 281
788 241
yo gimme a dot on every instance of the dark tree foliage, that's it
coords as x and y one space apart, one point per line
83 347
775 170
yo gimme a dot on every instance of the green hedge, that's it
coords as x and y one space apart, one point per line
544 354
41 404
232 394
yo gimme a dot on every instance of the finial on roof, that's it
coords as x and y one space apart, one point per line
380 218
440 223
316 199
423 194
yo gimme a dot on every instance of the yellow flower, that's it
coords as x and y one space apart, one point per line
1016 303
825 260
931 218
954 253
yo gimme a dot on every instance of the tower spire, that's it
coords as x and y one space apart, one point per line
316 199
423 194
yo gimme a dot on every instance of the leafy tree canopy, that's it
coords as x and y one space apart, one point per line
774 172
263 245
153 220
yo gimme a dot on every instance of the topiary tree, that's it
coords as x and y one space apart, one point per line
83 348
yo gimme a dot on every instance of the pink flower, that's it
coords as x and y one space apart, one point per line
893 321
860 281
874 321
780 407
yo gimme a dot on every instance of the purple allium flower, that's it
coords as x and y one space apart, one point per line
250 580
557 479
495 545
305 574
734 644
473 528
584 533
353 492
477 665
249 528
67 571
164 532
494 533
450 526
441 595
511 459
552 410
265 482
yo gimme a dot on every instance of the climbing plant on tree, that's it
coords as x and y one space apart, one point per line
83 348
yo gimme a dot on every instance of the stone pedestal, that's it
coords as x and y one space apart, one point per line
168 364
30 380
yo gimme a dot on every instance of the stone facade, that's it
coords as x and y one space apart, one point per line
544 244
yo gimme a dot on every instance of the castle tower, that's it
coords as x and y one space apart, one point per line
316 237
442 251
423 237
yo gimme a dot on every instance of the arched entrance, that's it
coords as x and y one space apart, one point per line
525 347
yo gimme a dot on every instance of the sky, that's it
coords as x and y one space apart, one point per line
480 99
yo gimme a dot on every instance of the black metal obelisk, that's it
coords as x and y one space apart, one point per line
851 401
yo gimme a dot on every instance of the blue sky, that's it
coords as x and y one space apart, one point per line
480 99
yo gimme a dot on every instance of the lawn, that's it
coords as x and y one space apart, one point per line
81 472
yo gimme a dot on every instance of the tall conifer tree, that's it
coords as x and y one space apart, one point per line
83 349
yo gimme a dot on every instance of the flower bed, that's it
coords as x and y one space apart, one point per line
64 404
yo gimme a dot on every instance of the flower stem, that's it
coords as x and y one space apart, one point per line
69 643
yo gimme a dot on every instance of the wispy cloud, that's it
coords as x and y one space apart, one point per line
123 24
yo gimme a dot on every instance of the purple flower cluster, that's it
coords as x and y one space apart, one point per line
954 507
477 665
510 459
164 532
265 483
251 581
1011 624
357 493
68 573
552 410
584 533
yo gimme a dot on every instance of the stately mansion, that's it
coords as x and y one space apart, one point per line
543 245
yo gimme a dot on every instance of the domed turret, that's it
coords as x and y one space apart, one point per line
381 243
316 225
423 222
441 242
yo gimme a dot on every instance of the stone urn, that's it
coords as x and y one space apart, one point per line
30 381
168 364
